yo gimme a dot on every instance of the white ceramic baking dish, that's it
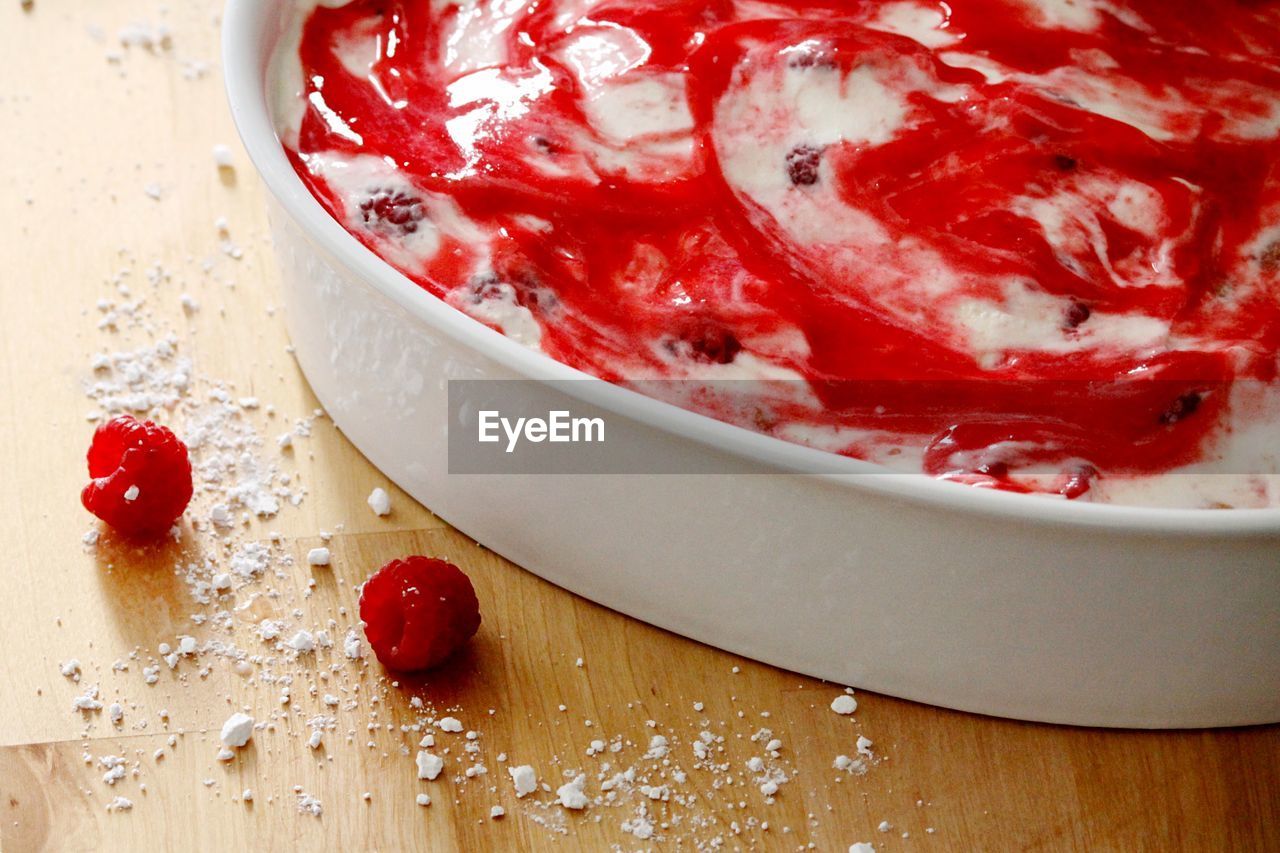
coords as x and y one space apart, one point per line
983 601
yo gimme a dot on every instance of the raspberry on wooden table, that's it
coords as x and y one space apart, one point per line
417 612
141 476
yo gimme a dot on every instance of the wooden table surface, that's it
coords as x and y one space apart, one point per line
92 131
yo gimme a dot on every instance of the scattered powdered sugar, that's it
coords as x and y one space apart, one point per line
247 588
115 768
71 669
352 647
120 804
146 36
142 381
309 805
88 701
250 559
225 449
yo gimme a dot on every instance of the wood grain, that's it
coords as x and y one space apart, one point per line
82 138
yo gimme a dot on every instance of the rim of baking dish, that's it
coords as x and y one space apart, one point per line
250 30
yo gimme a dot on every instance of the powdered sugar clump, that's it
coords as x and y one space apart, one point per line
571 794
380 502
237 730
222 157
307 804
524 779
429 766
88 701
844 704
120 804
71 669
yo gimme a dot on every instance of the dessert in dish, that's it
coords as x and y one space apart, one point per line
1025 245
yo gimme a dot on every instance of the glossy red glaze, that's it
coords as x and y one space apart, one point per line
954 180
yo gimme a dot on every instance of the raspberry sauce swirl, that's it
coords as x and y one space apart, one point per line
1025 245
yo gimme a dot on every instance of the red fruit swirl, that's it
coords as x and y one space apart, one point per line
1001 234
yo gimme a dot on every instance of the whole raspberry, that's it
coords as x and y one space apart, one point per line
417 612
141 476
